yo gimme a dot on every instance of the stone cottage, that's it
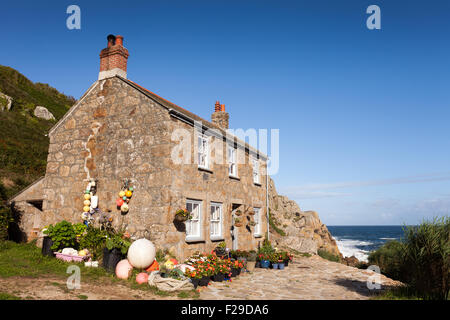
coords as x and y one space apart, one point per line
174 159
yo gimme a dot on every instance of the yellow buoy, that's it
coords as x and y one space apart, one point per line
87 203
121 194
87 196
128 193
86 209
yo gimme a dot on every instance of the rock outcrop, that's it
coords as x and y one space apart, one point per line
303 230
5 102
43 113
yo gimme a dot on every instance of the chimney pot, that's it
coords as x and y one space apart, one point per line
217 106
222 107
119 40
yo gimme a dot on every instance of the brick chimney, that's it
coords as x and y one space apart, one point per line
113 59
220 117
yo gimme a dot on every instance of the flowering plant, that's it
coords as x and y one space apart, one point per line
193 274
237 264
183 214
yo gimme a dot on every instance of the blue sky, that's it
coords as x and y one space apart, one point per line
363 114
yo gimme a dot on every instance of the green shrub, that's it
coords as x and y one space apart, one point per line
62 234
274 226
94 241
421 260
427 258
328 255
389 258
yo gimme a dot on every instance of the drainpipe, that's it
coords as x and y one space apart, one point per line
267 200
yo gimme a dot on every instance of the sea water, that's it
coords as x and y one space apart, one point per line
358 241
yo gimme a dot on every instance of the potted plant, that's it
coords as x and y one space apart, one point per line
237 222
182 215
236 267
194 276
222 270
238 212
62 235
251 223
264 260
220 250
116 248
274 260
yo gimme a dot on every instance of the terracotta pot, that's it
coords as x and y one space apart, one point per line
250 266
238 224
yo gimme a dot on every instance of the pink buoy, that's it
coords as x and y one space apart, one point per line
123 269
142 278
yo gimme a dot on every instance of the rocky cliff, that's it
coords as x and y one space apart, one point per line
299 230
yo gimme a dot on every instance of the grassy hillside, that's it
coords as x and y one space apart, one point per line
23 140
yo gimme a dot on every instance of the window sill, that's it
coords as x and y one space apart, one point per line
257 184
194 239
234 178
257 235
217 238
205 169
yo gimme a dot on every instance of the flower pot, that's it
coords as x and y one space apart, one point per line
203 282
265 264
281 265
234 272
286 262
195 282
47 247
218 277
238 224
251 265
111 258
275 265
258 264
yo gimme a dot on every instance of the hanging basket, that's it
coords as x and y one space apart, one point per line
238 212
251 213
238 224
180 218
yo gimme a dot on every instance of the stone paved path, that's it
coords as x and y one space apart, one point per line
310 278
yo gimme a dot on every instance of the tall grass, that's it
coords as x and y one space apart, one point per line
421 259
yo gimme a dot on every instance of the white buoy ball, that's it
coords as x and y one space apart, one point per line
141 253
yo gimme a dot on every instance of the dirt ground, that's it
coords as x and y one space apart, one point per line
306 279
49 288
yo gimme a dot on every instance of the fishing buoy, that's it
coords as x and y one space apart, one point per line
119 202
141 253
128 193
94 202
124 197
87 203
86 209
121 193
131 189
124 208
87 196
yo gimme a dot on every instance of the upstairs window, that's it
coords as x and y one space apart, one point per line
194 226
203 151
232 163
216 219
255 166
257 219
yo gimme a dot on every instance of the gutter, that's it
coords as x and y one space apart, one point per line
186 119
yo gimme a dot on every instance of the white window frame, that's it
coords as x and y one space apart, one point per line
198 206
219 222
203 151
232 161
255 171
257 219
